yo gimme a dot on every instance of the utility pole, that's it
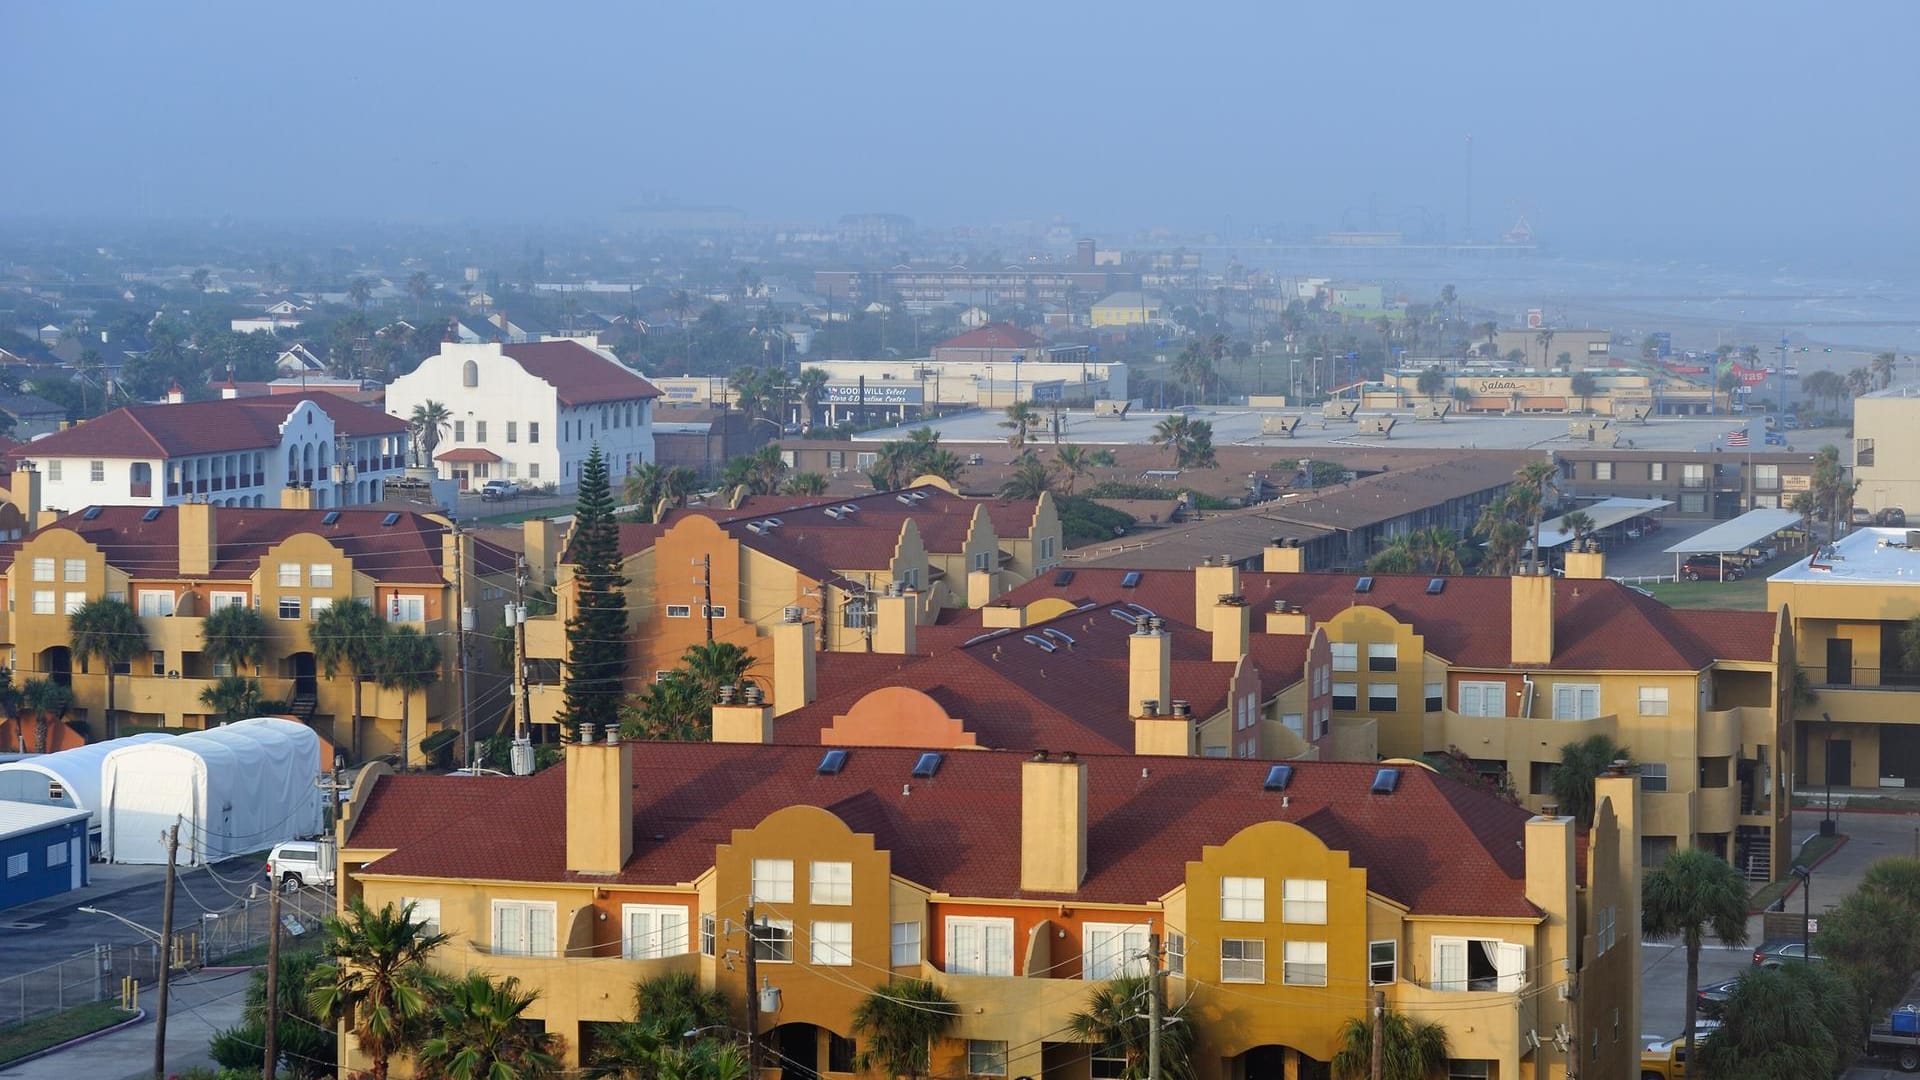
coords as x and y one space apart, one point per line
706 585
522 718
1154 1007
1573 1021
459 644
1377 1058
166 955
753 996
272 1039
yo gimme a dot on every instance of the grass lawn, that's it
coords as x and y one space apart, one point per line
1811 852
257 955
36 1035
1747 594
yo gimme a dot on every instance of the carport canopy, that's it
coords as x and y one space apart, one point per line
1605 514
1737 535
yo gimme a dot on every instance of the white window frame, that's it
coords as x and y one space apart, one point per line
986 1057
991 953
524 939
1303 900
905 940
1351 693
426 909
1383 650
830 943
219 600
1576 701
1653 776
43 568
1510 965
1252 969
1432 692
679 611
1243 899
652 931
73 569
155 602
407 607
1113 950
1346 655
1176 953
830 883
1375 963
320 575
289 575
1303 963
97 471
43 602
1295 723
288 602
709 935
1653 701
317 605
773 944
773 881
1386 691
1471 698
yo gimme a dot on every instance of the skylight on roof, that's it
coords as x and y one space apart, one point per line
832 762
390 520
1131 579
151 515
1365 584
1385 781
1278 777
1436 585
1064 577
927 765
90 513
330 517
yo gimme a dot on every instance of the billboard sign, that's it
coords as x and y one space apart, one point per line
1662 344
876 394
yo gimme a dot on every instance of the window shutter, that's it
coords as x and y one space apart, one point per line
540 931
999 945
1449 964
1512 961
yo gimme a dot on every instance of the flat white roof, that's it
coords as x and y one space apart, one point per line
1605 513
1742 532
22 817
1862 557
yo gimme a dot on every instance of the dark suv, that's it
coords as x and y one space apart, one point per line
1710 568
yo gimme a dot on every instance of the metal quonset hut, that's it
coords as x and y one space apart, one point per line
69 779
234 789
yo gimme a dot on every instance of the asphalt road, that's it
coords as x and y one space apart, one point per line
56 935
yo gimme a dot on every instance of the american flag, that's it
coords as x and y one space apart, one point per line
1737 437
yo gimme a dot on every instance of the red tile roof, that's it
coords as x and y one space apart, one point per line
995 336
1599 625
407 551
203 427
578 375
1433 845
466 454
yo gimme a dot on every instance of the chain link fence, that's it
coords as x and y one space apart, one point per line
97 974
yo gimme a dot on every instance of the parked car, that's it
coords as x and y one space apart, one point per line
1710 568
1774 438
298 864
495 490
1791 422
1775 952
1862 516
1711 998
1892 517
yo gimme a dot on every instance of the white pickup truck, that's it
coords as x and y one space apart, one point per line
297 864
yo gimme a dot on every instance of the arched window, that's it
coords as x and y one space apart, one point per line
293 464
470 374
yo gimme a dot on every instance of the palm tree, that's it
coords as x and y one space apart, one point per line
408 662
1786 1024
805 483
812 384
1396 558
680 302
359 290
109 631
418 287
1439 548
1171 432
86 372
1883 364
1859 382
1431 382
1021 419
1534 478
1115 1021
428 425
710 665
1571 780
47 701
678 485
348 635
1029 480
641 487
944 464
483 1034
1545 338
897 1024
378 981
1579 523
236 636
233 697
1488 330
1693 894
1584 385
1462 396
1409 1049
1073 464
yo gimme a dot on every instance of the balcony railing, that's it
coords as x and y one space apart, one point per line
1865 677
1693 483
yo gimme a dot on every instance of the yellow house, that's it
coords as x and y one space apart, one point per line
1277 900
175 565
1126 309
1850 603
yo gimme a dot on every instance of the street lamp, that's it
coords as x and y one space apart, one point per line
1827 826
151 933
1805 874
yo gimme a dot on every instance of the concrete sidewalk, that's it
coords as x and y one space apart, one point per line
203 1005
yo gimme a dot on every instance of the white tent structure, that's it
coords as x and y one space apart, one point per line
69 778
233 789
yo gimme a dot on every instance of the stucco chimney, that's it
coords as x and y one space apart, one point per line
1053 824
1000 616
198 546
175 395
742 715
599 806
1232 625
1287 619
1283 556
793 666
293 497
980 588
893 623
1532 630
1550 886
1210 583
1149 667
1589 564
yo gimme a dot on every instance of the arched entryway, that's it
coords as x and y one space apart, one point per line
57 663
1277 1063
809 1052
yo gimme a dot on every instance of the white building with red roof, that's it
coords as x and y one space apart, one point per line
532 411
231 452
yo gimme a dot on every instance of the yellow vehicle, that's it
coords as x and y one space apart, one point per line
1664 1060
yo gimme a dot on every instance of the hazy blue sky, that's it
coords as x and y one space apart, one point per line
1600 119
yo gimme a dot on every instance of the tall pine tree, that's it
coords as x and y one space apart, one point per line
597 634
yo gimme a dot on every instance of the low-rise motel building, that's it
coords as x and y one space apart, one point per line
1851 602
1281 898
733 573
175 565
1504 671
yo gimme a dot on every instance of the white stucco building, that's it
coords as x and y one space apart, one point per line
232 452
532 411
